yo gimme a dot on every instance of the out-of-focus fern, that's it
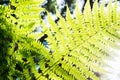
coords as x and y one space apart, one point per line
76 47
19 47
6 45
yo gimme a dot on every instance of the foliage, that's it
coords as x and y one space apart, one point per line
6 37
17 37
76 47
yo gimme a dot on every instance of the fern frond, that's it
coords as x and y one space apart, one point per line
80 43
77 47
